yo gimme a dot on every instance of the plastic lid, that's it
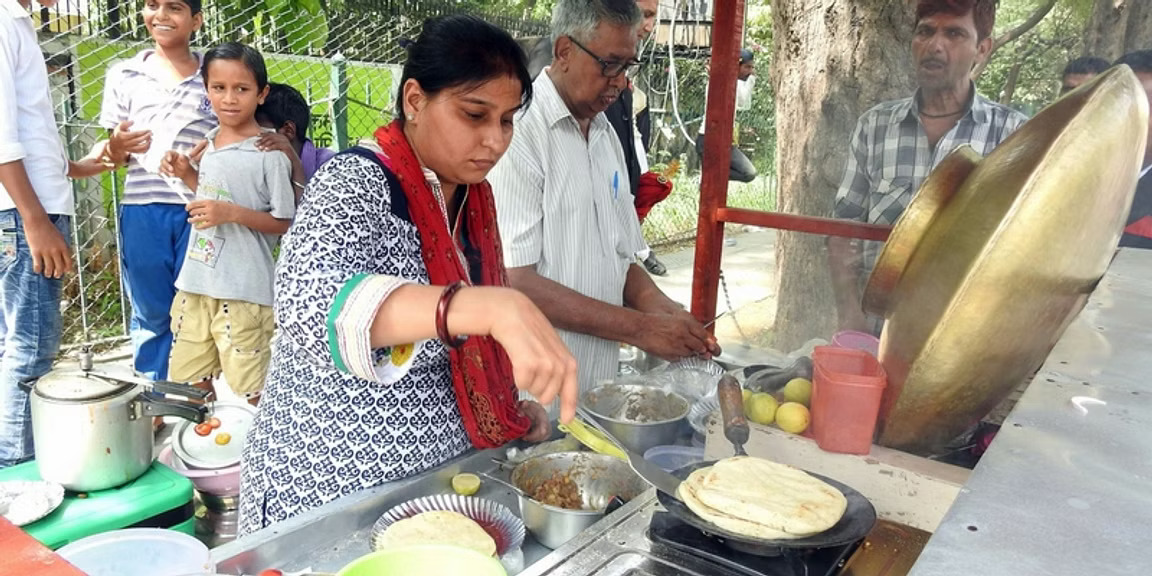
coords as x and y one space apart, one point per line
76 385
204 451
672 457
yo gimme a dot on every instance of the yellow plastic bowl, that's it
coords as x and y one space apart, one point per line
430 560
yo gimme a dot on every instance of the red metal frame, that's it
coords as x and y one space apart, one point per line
727 25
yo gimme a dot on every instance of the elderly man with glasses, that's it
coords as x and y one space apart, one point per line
564 201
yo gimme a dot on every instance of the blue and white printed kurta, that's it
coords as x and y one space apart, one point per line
337 417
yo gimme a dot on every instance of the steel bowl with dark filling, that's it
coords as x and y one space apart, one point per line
595 478
638 416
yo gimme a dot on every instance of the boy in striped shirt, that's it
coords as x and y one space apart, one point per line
153 103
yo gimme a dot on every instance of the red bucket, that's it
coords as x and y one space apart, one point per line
847 387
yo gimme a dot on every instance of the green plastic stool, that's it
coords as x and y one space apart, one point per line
160 498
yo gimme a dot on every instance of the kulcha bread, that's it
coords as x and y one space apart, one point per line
687 493
438 527
762 499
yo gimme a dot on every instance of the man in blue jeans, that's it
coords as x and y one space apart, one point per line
35 225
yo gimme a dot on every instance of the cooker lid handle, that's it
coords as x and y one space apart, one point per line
166 387
155 406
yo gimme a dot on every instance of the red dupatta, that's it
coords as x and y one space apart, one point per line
481 372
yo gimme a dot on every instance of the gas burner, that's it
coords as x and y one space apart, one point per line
666 530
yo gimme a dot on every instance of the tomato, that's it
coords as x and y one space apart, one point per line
214 422
271 572
203 428
223 438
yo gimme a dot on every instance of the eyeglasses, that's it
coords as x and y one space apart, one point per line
611 69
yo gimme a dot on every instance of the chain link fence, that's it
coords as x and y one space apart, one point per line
344 57
675 80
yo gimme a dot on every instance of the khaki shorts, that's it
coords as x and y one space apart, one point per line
211 336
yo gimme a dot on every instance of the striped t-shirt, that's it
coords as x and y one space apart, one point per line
179 117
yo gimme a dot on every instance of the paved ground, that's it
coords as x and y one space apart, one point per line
748 269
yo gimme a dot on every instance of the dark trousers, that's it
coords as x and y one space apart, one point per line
740 168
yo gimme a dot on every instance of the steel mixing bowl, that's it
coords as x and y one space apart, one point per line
598 476
639 416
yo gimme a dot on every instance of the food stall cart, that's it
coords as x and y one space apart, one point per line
1060 491
1057 492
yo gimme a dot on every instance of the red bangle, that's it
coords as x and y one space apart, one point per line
442 316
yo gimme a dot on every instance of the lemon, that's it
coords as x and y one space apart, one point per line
761 408
792 417
401 354
798 390
465 484
746 393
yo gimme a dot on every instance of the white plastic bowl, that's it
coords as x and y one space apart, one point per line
139 552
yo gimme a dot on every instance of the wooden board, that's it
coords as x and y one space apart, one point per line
22 554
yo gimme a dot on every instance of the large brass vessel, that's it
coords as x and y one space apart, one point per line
995 256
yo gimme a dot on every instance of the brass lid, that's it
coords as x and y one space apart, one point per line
994 256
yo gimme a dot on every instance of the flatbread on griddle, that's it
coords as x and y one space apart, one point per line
763 499
687 494
437 527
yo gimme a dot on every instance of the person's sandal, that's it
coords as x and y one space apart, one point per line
654 266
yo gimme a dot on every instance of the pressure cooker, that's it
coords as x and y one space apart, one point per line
92 429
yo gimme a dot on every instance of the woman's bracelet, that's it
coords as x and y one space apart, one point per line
442 316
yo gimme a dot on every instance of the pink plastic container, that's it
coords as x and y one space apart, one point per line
847 387
218 482
857 341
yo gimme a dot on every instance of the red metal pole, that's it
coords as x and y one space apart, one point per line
809 224
727 24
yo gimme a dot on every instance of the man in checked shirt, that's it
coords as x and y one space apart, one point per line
896 144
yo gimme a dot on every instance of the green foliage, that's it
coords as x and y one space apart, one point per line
298 26
1038 56
675 218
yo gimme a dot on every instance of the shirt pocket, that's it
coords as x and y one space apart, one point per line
889 199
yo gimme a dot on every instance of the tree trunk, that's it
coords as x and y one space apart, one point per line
1107 28
1138 35
834 59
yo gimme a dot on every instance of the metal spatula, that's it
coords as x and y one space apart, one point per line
650 472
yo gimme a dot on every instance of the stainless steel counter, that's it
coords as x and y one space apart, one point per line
1066 487
329 537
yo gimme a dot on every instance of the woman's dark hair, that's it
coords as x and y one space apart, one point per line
237 51
462 51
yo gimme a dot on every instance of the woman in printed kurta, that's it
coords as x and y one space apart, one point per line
360 390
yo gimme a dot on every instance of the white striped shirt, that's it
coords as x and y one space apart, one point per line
178 116
27 127
565 207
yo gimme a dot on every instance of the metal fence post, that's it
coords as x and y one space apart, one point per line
338 101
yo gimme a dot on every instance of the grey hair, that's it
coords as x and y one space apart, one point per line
579 18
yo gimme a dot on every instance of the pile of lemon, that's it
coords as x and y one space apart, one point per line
789 412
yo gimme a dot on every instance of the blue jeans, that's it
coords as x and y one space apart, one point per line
30 330
154 238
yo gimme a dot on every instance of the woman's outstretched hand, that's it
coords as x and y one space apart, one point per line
541 363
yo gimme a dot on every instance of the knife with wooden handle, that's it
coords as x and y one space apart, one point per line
732 413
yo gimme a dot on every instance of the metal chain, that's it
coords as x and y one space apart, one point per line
731 310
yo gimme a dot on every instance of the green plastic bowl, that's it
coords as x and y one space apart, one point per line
431 560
